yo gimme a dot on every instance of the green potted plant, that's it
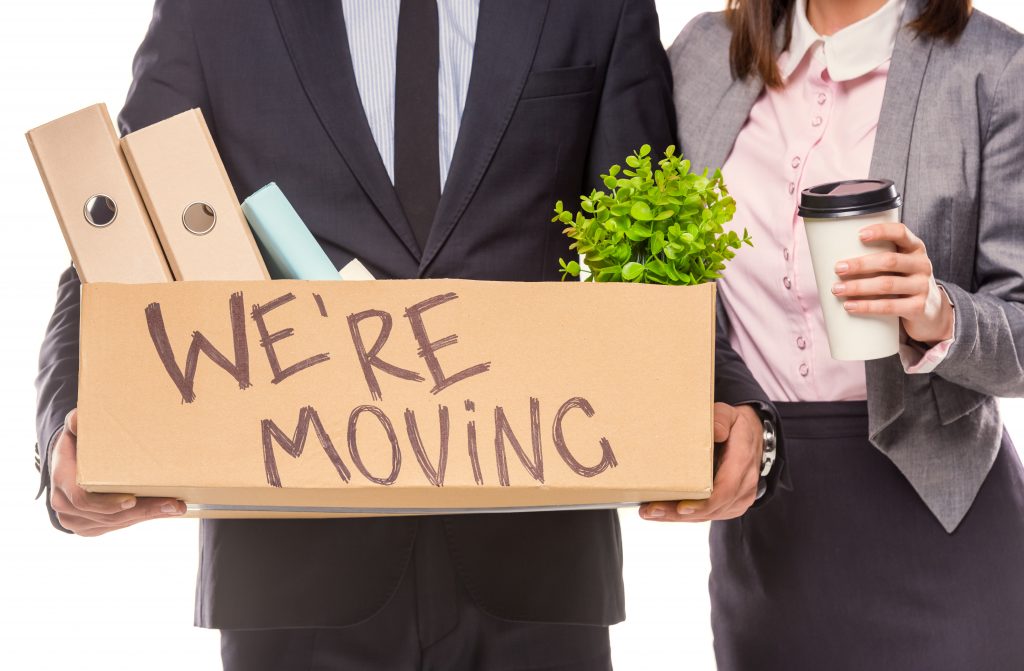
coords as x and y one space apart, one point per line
653 226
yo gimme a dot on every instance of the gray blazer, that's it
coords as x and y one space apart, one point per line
951 135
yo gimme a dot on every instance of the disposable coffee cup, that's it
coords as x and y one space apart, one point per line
834 215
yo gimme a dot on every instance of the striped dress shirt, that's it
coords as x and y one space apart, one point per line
372 27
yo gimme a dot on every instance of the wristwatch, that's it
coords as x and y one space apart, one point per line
768 452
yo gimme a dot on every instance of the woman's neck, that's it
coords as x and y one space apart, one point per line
828 17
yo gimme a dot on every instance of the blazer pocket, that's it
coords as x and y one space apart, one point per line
559 82
954 401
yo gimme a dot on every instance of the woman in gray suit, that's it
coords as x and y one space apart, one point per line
896 537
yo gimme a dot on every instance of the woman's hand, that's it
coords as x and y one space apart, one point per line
896 283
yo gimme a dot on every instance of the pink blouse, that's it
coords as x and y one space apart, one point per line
816 129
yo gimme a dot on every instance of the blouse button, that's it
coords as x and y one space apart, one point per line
804 370
792 188
796 162
785 253
788 283
822 98
801 343
816 122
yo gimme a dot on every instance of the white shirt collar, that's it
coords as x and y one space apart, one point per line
852 52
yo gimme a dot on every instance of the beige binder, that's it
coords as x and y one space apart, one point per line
95 199
191 201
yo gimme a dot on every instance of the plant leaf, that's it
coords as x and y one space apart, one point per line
641 211
632 271
656 222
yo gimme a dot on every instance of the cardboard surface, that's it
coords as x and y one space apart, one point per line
176 165
79 156
377 371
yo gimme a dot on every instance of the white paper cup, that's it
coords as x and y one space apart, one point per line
833 216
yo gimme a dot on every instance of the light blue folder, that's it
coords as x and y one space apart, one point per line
289 249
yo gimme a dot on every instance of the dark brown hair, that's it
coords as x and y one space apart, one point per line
753 24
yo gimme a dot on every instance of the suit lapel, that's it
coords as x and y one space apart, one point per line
314 32
506 41
889 160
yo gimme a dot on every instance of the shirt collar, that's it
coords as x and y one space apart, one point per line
852 52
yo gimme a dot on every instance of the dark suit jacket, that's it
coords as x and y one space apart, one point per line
560 90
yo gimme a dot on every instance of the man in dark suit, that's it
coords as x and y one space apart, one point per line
366 115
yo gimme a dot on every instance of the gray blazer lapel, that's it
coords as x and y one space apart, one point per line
899 104
726 119
885 377
725 123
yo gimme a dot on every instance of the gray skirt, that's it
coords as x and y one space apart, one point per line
847 568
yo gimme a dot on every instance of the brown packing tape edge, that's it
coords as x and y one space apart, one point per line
84 402
711 375
98 487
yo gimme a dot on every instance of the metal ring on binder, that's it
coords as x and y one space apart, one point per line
199 218
100 210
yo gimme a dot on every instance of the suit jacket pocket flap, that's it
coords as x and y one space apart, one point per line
954 401
559 82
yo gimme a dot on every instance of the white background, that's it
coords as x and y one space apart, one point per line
125 601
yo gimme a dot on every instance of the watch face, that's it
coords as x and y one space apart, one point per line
768 451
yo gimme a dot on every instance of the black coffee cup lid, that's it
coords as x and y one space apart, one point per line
849 198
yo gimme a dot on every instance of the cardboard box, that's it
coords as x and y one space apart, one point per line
293 398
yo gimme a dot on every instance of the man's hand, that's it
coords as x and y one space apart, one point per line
88 514
739 431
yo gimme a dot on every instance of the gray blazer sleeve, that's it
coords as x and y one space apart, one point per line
167 80
988 350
